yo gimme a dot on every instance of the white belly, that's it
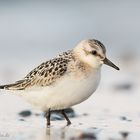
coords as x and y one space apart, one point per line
66 92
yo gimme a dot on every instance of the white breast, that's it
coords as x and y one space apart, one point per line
66 92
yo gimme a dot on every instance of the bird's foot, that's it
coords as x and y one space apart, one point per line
69 123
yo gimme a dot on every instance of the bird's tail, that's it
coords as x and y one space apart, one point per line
19 85
2 87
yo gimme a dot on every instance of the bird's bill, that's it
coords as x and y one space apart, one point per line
109 63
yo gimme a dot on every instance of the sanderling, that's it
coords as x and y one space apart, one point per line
64 81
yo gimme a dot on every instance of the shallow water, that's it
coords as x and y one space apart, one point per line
111 113
31 32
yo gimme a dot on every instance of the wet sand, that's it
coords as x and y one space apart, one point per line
33 31
112 113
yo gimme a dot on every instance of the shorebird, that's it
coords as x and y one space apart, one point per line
64 81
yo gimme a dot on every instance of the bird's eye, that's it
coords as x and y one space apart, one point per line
94 52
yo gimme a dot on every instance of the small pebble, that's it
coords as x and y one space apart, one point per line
124 86
93 128
25 113
85 114
85 136
124 134
125 119
22 120
37 114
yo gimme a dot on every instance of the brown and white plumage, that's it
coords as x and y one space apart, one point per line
45 74
65 80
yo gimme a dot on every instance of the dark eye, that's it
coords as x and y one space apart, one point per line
94 52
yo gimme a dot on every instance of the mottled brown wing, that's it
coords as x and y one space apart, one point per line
43 75
19 85
48 72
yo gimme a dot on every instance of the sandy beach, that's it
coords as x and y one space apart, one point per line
35 31
111 113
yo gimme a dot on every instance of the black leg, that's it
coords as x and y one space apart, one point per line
66 117
48 115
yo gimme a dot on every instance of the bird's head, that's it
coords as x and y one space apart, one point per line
93 52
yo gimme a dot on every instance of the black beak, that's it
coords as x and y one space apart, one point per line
109 63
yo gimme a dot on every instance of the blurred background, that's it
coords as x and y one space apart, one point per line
33 31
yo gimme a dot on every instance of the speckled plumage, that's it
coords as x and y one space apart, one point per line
45 74
64 81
